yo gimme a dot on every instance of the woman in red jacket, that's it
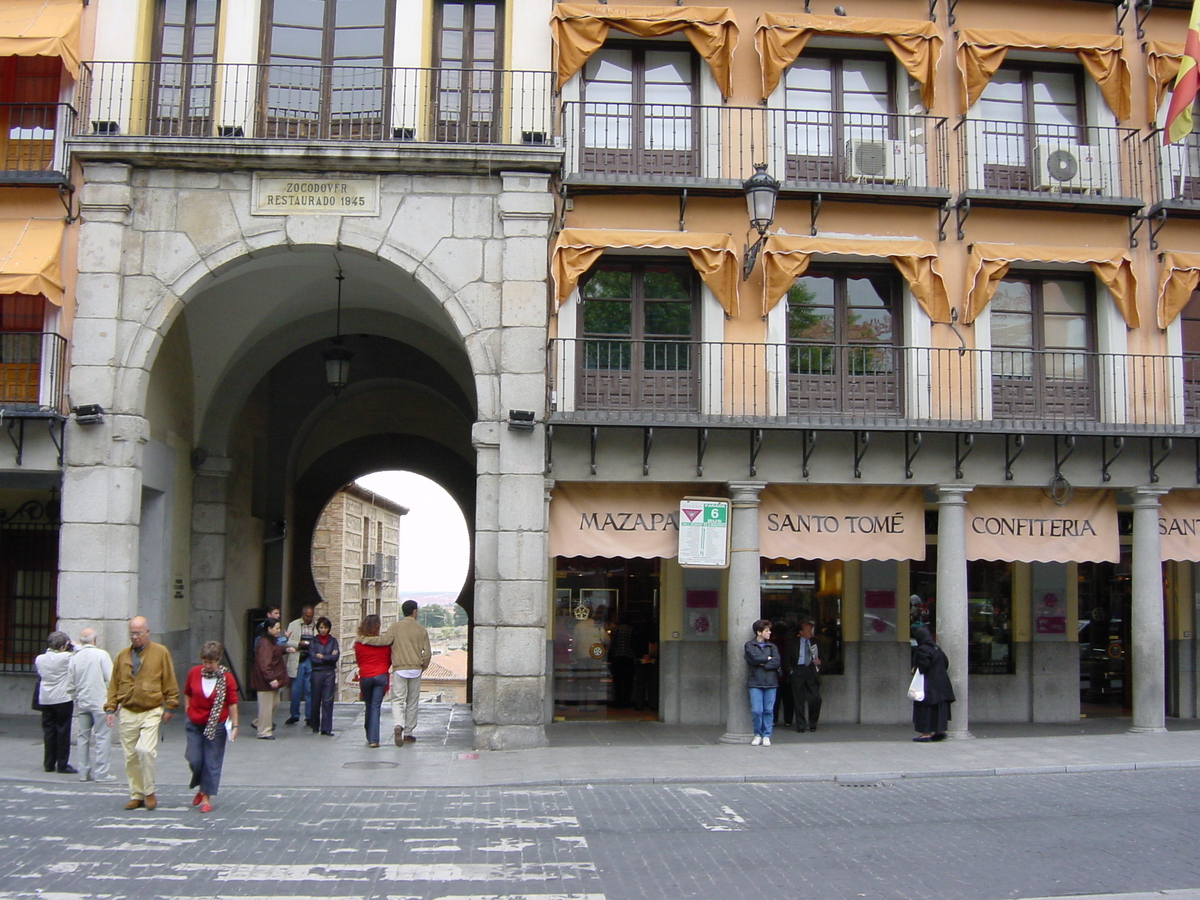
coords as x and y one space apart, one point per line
373 665
211 697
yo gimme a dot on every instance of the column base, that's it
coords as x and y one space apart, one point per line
733 737
963 735
1146 729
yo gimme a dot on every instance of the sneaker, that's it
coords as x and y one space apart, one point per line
766 742
107 779
398 735
757 740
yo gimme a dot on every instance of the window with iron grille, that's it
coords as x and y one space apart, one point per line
1189 320
28 590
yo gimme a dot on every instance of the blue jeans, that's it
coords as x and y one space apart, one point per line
762 710
372 690
205 758
301 690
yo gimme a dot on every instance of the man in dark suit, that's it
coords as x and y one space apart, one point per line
806 679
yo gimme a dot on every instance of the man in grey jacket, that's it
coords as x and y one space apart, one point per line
87 682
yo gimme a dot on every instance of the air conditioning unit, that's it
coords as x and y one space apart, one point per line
875 161
369 573
1068 167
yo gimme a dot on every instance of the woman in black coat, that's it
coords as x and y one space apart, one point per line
931 714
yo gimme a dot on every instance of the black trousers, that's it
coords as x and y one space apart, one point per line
806 695
56 735
324 685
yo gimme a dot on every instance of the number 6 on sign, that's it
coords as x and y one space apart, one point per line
704 533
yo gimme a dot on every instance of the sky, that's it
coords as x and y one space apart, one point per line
434 545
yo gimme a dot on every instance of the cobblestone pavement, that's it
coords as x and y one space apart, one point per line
1111 833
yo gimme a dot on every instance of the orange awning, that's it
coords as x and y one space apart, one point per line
802 521
981 53
780 39
580 30
1180 275
1179 525
41 28
632 521
1025 525
1162 64
990 263
714 256
786 257
30 250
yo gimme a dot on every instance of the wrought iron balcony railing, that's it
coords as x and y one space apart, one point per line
32 139
871 385
835 149
1177 170
33 375
306 103
1051 162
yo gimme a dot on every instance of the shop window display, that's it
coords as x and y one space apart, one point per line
989 610
798 589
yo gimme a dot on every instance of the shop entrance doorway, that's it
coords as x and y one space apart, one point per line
606 638
1105 661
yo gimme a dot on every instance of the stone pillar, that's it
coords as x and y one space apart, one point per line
952 597
102 484
743 606
1146 628
210 512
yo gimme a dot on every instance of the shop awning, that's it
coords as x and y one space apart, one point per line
1180 275
1162 64
1179 526
30 250
42 28
988 263
802 521
1025 525
714 256
786 257
630 521
981 53
780 39
579 30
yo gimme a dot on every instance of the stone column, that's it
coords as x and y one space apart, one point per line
102 483
952 597
210 513
1146 628
743 606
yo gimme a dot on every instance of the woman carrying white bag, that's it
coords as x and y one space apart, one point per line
930 690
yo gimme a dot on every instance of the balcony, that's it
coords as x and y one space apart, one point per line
844 387
32 373
32 142
1176 186
195 104
1015 164
856 156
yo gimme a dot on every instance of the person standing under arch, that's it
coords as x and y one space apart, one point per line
410 657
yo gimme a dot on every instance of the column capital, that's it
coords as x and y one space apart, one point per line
548 486
1146 497
745 492
953 494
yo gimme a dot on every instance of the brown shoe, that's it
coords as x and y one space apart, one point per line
134 804
409 739
398 735
151 801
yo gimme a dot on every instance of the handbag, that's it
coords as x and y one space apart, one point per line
916 687
37 692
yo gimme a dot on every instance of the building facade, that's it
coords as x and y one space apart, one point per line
950 381
354 552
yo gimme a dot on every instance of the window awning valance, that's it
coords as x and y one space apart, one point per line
714 256
1025 525
1162 62
579 30
1179 525
1180 275
780 39
808 521
988 263
981 53
30 253
42 28
786 257
630 521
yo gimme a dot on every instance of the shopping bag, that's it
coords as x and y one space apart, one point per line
916 687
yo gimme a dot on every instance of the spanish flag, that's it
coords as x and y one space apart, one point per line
1187 83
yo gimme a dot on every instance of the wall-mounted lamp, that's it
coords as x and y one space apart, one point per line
89 414
337 358
520 420
761 193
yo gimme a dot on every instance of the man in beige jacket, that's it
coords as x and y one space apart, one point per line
410 657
